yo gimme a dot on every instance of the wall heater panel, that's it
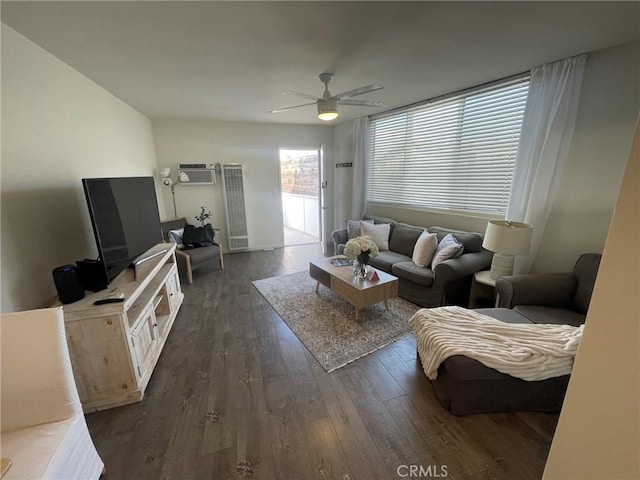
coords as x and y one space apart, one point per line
233 185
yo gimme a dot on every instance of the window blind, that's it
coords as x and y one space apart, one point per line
457 153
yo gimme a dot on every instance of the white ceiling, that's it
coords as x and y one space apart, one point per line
230 60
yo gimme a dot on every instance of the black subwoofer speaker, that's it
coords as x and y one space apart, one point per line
67 284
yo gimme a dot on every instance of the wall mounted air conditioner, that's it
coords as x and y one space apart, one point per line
198 173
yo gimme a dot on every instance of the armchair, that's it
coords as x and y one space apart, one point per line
44 432
560 298
192 259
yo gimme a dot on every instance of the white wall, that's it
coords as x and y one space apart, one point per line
343 176
609 104
256 146
57 127
598 434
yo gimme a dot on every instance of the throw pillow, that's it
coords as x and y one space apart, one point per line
449 247
379 233
353 228
424 249
175 236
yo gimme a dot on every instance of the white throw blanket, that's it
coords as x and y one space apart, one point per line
527 351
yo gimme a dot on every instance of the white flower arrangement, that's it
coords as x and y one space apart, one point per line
361 248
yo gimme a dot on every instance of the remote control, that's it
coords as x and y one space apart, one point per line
111 298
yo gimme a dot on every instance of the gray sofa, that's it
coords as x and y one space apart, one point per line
465 386
449 284
560 298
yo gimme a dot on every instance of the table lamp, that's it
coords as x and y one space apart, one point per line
506 239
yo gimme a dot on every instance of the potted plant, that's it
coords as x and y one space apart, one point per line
204 216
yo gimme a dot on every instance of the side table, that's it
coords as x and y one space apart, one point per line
483 291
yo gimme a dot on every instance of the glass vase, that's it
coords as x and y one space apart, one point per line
360 266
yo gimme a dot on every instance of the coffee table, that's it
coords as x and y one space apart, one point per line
358 292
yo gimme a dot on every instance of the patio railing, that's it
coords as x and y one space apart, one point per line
301 213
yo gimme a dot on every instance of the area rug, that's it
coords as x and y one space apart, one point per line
325 323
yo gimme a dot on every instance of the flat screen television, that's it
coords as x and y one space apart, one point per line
125 219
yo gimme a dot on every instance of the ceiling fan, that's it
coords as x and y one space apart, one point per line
328 104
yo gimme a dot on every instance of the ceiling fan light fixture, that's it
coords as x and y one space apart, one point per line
327 109
326 116
328 104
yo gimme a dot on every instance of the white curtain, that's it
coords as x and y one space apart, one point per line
547 128
360 160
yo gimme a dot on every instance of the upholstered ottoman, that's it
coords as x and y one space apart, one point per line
465 386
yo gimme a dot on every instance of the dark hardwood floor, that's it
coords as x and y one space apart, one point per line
236 395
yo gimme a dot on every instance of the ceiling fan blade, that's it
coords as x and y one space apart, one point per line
278 110
360 103
359 91
303 95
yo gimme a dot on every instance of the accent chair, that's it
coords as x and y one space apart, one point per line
190 259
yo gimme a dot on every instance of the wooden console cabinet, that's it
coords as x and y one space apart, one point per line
114 347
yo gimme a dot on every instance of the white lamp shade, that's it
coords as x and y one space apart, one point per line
183 177
165 172
508 238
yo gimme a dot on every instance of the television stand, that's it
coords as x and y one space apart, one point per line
114 347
